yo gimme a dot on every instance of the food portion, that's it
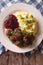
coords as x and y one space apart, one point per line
26 22
11 22
21 28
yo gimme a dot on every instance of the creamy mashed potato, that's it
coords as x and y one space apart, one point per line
26 22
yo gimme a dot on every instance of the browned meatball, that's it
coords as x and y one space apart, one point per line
25 39
17 35
18 43
8 31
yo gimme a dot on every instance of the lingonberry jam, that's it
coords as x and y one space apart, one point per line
11 22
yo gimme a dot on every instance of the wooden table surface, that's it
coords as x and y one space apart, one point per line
11 58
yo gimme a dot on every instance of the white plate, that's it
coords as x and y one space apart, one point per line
24 7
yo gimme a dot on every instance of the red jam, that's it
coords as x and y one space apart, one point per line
11 22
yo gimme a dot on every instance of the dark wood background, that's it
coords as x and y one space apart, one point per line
11 58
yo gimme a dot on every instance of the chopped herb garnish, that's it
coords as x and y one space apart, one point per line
30 33
12 32
30 43
19 31
21 41
28 21
26 16
23 31
8 36
22 17
32 29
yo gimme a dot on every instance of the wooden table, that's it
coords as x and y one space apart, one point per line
11 58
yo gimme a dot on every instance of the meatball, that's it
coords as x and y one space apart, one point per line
18 43
8 31
25 39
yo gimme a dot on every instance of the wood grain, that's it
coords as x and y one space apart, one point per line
29 60
4 59
42 59
39 59
10 58
15 59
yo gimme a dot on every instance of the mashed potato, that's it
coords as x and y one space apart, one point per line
26 22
